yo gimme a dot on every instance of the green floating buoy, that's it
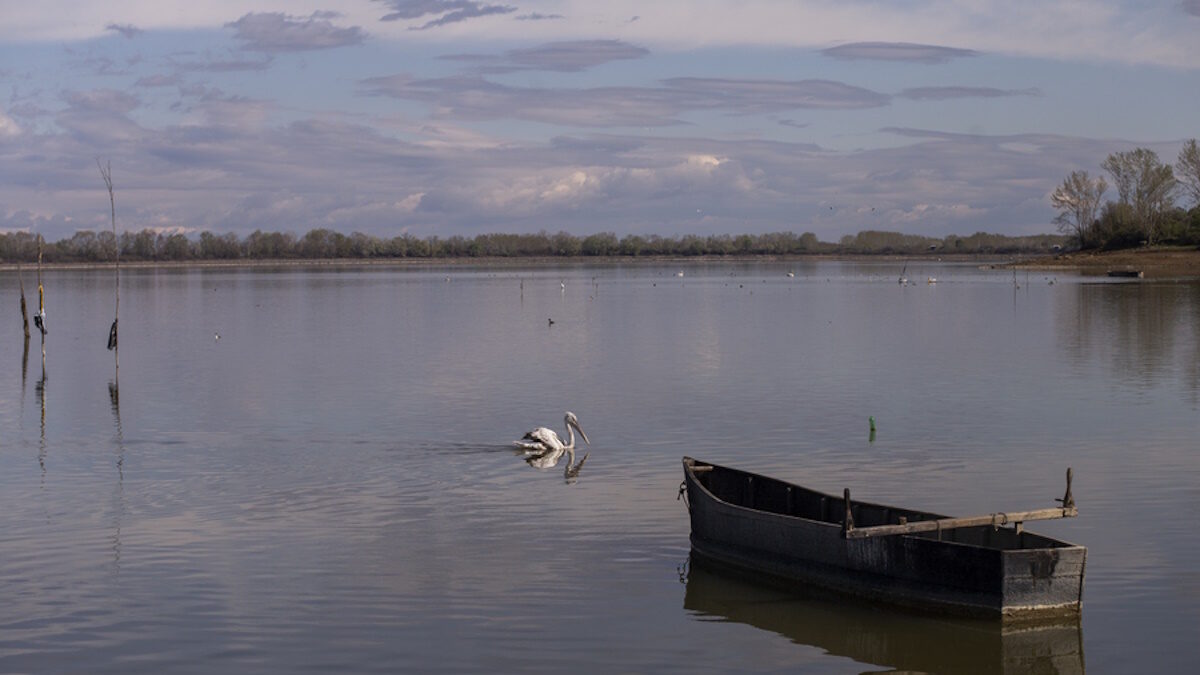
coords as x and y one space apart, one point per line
872 437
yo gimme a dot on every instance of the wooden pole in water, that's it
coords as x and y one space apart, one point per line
24 312
106 174
40 318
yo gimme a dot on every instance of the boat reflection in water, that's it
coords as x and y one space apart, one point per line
880 635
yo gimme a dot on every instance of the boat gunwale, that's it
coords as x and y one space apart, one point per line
690 464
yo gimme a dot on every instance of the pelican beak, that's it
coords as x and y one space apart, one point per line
580 430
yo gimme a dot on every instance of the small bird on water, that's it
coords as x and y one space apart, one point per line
549 322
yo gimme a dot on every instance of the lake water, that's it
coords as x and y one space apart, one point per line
330 486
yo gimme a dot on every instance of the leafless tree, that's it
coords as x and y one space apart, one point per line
1144 183
1188 167
1078 200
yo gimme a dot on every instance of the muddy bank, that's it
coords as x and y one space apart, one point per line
1154 263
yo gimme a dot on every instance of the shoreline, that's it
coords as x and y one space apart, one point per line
1154 262
513 261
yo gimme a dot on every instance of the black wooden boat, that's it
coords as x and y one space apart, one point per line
986 566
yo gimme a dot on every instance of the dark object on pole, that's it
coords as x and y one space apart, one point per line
112 336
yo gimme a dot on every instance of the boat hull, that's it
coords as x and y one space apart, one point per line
794 535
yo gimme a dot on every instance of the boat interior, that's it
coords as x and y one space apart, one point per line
771 495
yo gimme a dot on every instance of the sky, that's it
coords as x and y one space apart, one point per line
667 117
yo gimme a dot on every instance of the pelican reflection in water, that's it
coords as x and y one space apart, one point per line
543 448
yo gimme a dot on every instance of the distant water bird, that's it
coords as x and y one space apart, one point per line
549 322
562 285
679 273
39 320
791 274
931 280
216 336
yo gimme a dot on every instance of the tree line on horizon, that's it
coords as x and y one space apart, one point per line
1146 209
153 246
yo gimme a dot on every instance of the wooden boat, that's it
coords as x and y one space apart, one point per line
985 566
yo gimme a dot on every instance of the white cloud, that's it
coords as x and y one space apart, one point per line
8 127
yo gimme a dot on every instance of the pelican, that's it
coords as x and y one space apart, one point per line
542 440
543 448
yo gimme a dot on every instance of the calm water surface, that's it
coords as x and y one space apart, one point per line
330 486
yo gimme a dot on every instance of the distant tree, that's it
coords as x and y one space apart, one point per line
632 245
1078 200
224 247
1144 183
604 243
809 242
1118 226
175 247
566 244
1188 167
269 245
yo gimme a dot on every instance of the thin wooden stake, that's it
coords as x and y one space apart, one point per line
24 312
39 319
106 174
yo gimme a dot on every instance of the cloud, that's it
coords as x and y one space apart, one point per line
225 170
563 57
1192 7
220 64
535 16
896 51
8 126
278 32
100 118
448 11
574 56
158 80
946 93
475 98
129 31
761 96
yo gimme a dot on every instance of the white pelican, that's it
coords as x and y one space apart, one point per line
541 439
543 448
